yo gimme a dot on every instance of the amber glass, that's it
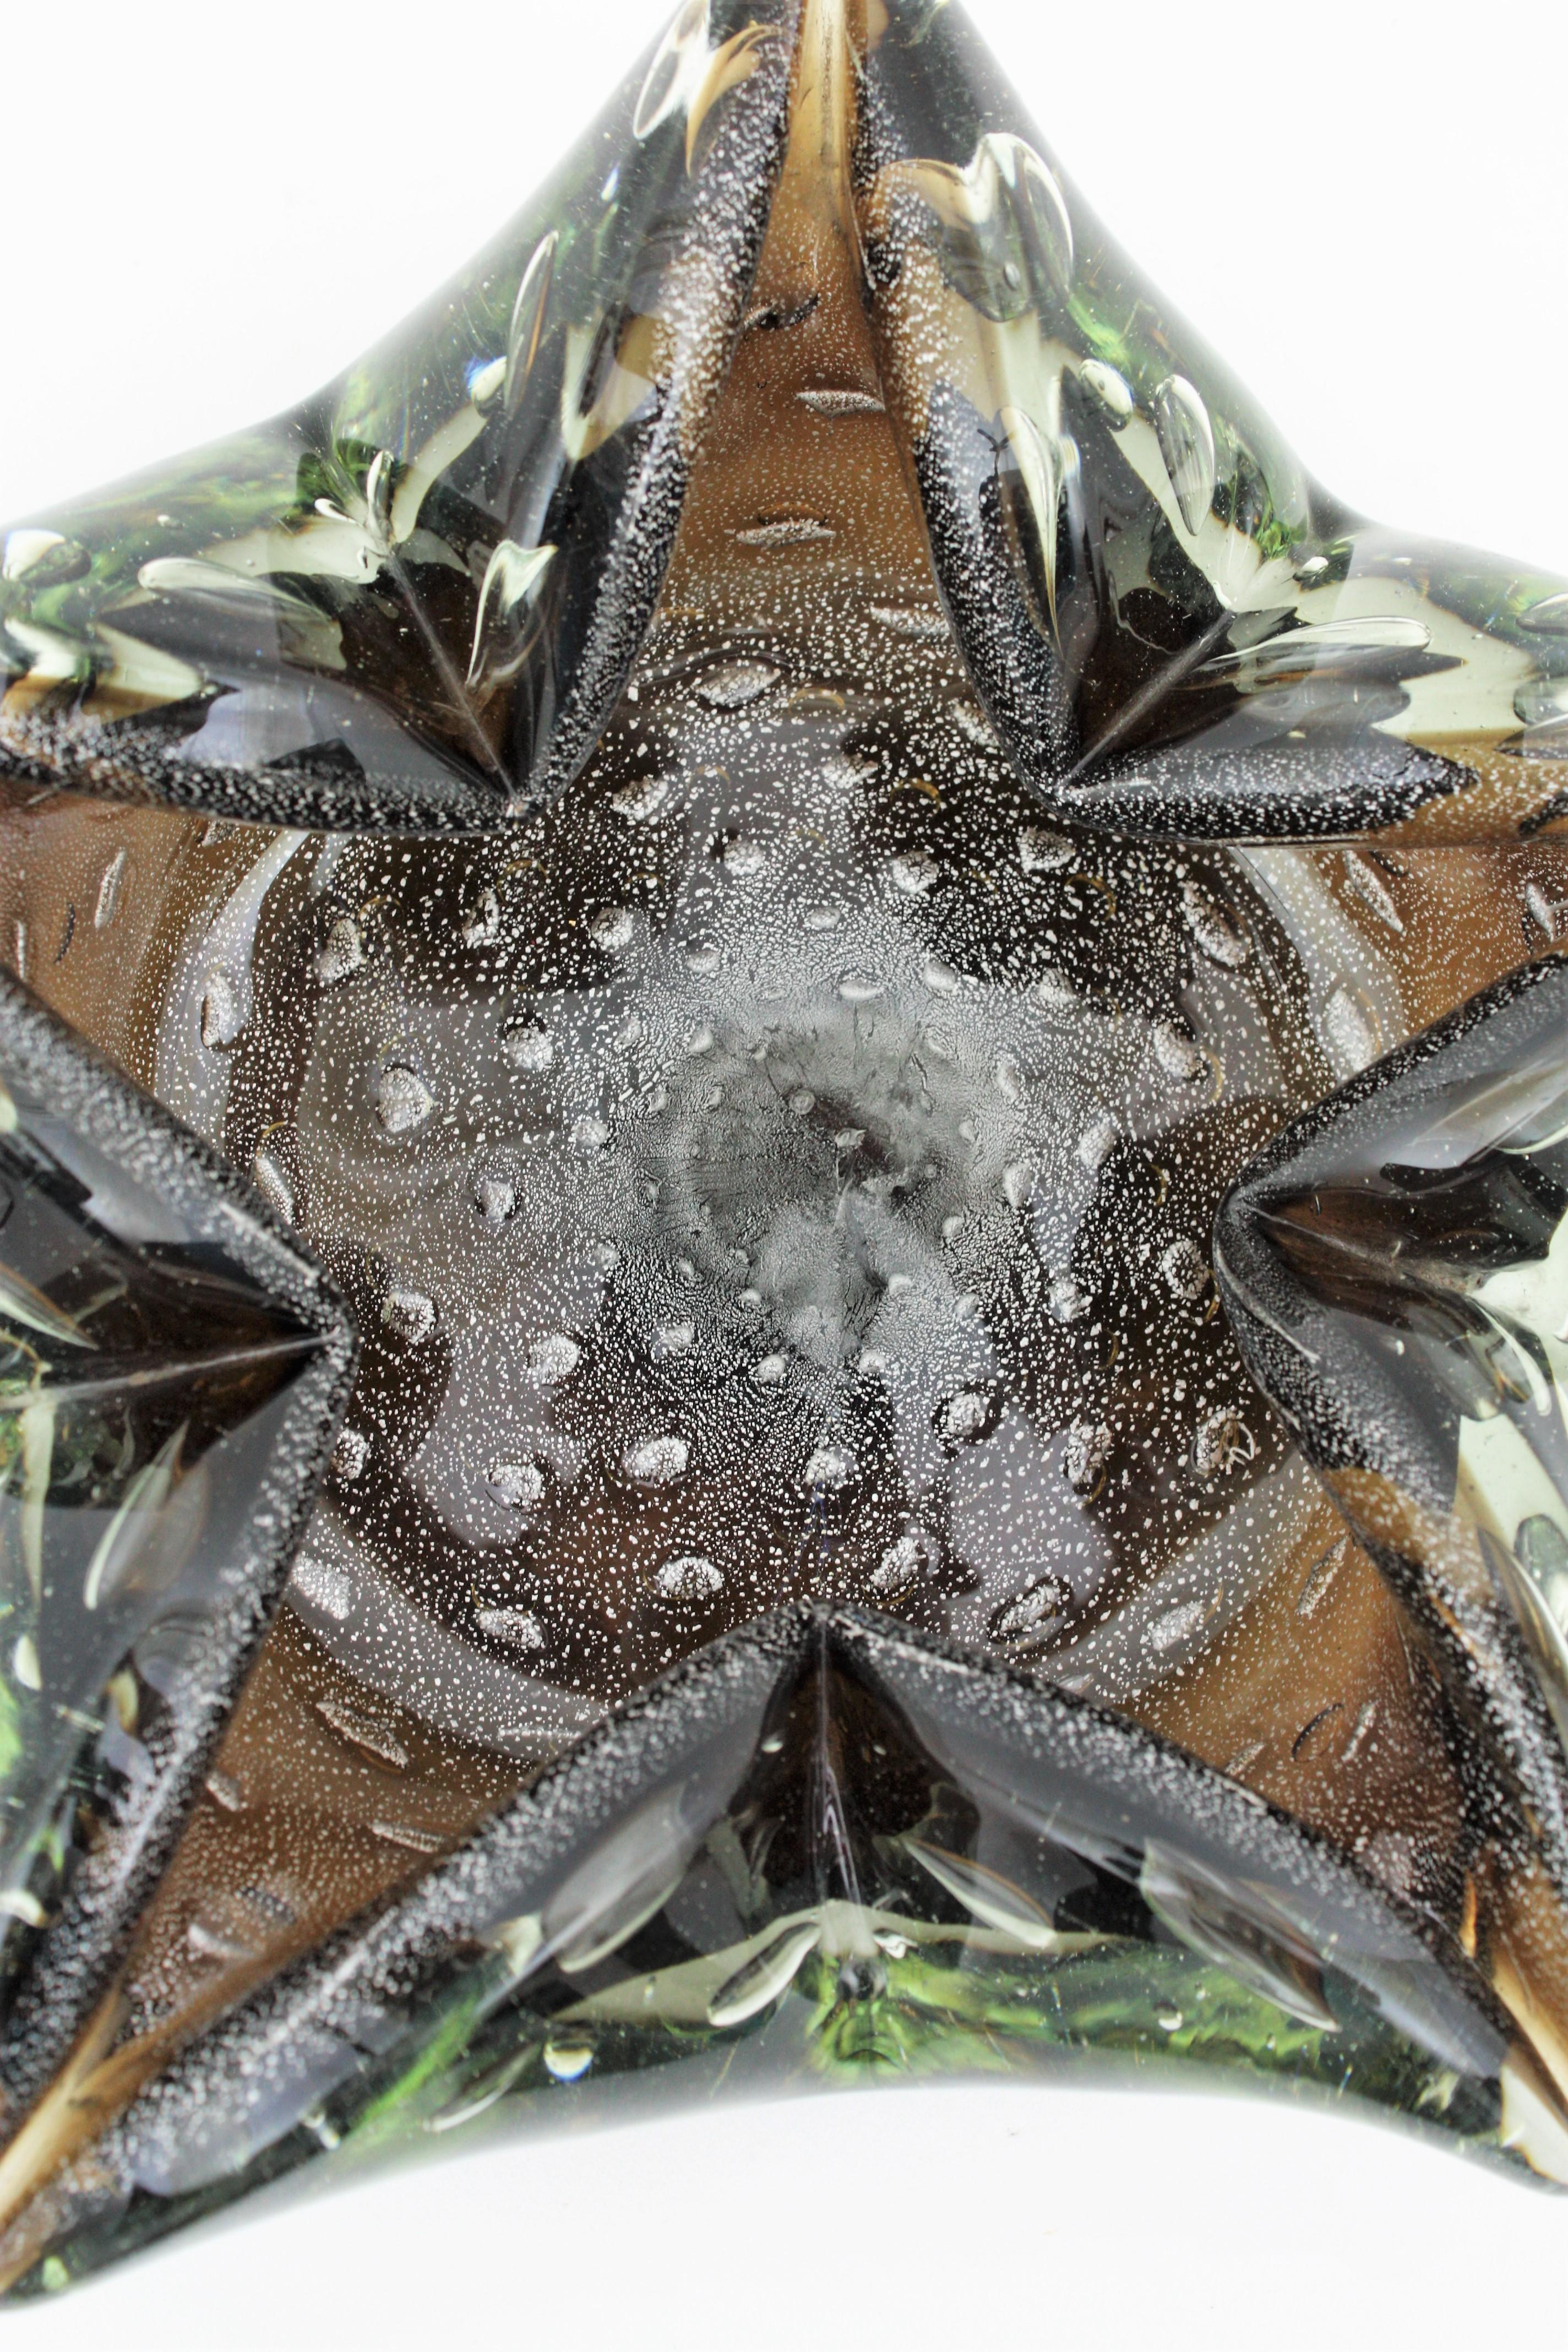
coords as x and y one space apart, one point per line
909 993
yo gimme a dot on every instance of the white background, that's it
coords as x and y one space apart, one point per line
1362 203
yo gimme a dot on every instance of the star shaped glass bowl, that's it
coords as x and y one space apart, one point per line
784 1202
